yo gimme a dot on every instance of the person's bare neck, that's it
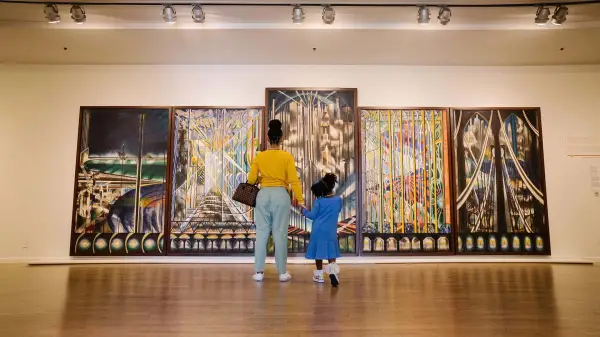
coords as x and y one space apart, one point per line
274 147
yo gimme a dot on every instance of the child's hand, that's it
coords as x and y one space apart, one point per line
296 204
302 208
299 206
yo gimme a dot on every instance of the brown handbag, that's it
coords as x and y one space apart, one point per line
246 194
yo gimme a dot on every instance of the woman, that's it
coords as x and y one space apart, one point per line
277 171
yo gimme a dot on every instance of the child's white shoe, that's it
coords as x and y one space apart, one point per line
285 277
334 273
318 276
258 277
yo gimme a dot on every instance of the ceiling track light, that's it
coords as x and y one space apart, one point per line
298 15
169 14
444 16
328 15
423 15
78 14
542 16
198 14
560 15
51 13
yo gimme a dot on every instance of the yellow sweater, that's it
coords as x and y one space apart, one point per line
277 169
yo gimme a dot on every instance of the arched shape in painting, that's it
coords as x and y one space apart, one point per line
477 197
366 245
392 245
379 245
521 185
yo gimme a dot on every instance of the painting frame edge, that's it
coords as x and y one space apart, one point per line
75 184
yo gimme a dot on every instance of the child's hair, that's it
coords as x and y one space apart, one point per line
324 186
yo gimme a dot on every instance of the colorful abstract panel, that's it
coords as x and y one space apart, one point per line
406 180
500 187
120 186
213 149
319 131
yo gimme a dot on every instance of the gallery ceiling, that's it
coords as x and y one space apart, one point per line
266 35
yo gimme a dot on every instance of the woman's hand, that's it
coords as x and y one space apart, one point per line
302 207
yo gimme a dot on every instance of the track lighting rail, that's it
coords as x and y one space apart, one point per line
312 4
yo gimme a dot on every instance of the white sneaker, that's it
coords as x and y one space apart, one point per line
285 277
334 273
258 277
318 276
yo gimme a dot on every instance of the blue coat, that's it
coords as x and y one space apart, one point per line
323 243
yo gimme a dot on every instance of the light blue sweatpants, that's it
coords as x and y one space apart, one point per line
272 213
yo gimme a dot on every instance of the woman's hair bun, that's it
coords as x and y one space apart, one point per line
275 124
275 133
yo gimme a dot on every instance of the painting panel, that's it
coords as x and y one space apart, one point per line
405 178
319 127
119 206
500 186
212 152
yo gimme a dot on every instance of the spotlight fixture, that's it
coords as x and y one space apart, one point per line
297 15
169 14
542 15
78 14
444 16
198 14
51 13
328 15
423 15
560 15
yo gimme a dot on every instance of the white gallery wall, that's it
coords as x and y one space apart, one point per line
39 109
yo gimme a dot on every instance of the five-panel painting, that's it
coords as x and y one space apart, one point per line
414 181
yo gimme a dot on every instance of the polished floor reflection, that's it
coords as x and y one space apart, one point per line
373 300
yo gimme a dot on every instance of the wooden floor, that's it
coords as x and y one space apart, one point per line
373 300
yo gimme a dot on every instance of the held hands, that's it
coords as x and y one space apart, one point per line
300 206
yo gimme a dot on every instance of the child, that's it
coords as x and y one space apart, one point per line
323 243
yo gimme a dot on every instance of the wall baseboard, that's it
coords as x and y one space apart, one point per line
593 259
300 260
16 260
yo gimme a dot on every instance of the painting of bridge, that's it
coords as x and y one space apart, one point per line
120 185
